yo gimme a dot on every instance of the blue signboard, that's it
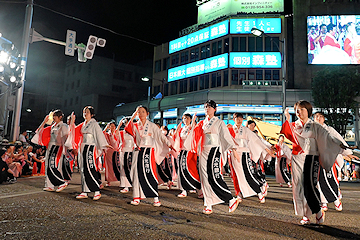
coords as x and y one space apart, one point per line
244 26
199 67
216 63
177 73
203 35
255 60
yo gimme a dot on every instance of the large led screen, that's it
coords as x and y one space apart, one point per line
333 39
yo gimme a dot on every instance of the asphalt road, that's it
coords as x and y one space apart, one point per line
27 212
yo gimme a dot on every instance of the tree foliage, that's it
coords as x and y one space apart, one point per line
334 90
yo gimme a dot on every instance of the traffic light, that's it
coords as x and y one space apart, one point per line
101 42
81 52
90 47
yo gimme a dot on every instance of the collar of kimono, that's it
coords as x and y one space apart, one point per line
236 127
208 122
91 120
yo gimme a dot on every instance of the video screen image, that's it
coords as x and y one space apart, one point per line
333 39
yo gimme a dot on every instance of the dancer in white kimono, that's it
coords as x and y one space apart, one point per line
312 146
111 158
328 182
166 167
264 156
89 137
243 173
53 137
127 146
188 174
152 149
212 140
282 162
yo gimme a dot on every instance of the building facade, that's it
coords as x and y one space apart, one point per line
103 84
222 60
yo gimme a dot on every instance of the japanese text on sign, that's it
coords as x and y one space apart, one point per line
200 67
255 60
70 43
203 35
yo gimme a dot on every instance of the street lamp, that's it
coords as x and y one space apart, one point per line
146 79
258 33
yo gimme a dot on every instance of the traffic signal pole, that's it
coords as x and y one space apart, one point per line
15 131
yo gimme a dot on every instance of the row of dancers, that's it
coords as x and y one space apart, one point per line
140 155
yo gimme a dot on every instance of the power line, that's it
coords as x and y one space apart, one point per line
94 25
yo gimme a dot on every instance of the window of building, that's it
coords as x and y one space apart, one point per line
204 82
175 60
157 66
166 63
235 44
166 89
67 87
214 48
78 83
193 84
251 74
259 44
68 72
184 58
197 54
251 44
243 44
79 68
156 89
183 86
74 70
119 74
218 79
219 51
259 74
77 100
275 44
226 78
71 102
194 54
117 88
242 76
203 52
276 74
226 45
267 74
268 44
234 77
72 85
173 87
213 80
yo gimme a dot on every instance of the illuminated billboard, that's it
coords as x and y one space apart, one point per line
199 67
333 39
203 35
214 9
237 26
244 25
255 60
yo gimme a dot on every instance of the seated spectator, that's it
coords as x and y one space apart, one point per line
36 158
6 174
27 167
9 159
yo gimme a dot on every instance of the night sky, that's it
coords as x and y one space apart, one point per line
154 21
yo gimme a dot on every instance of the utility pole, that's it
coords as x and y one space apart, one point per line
24 53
